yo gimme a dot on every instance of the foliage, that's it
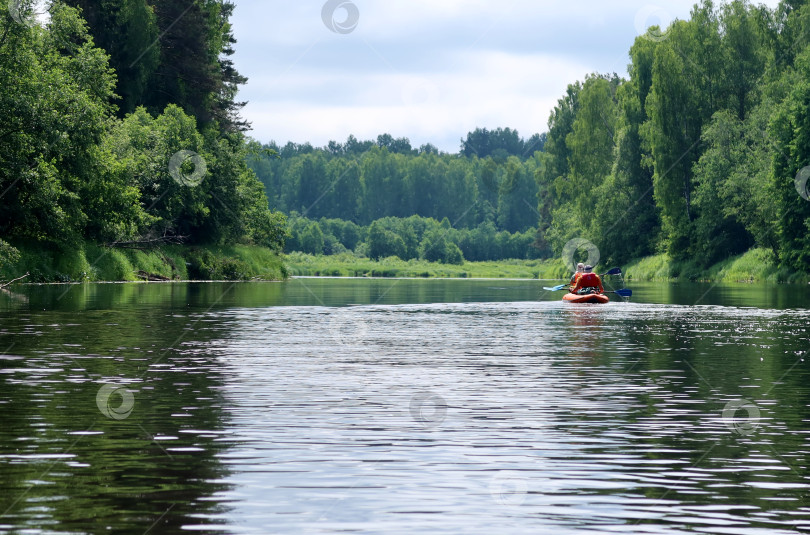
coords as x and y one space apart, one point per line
71 171
205 265
8 254
791 127
48 161
349 265
500 144
697 152
366 181
408 238
89 262
435 247
756 265
171 52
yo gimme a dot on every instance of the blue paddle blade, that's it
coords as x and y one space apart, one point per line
614 271
556 288
624 292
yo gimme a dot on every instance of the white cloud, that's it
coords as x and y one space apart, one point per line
430 71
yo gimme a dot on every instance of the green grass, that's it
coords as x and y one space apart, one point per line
89 262
756 265
241 262
348 265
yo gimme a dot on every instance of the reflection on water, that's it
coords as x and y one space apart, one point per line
429 406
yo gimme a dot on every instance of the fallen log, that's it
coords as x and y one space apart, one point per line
151 277
4 285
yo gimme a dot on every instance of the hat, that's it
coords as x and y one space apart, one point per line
580 266
588 268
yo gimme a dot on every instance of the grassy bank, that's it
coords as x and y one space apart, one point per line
88 262
756 265
348 265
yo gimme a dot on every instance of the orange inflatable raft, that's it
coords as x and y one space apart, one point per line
587 298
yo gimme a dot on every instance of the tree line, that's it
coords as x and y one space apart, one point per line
363 181
135 142
699 153
409 238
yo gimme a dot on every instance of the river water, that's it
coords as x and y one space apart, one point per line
403 406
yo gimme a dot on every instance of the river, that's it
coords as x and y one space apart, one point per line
403 406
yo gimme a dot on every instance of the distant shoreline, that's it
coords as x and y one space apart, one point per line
755 266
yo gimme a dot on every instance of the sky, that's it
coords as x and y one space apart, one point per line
431 71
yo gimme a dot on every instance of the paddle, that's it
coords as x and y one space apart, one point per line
623 292
556 288
614 271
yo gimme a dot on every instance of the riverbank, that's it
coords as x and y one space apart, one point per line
92 263
348 265
757 265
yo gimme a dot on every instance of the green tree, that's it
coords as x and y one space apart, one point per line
127 30
435 247
718 233
501 142
311 238
553 174
791 132
626 223
49 162
8 254
342 200
744 41
591 144
517 185
384 243
685 93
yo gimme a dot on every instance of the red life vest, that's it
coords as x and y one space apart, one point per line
589 280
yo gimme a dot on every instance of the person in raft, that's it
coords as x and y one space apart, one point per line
577 274
588 283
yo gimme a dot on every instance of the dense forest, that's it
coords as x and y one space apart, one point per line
696 154
120 124
392 200
364 181
700 153
136 142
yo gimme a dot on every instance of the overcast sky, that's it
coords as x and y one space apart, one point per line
427 70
